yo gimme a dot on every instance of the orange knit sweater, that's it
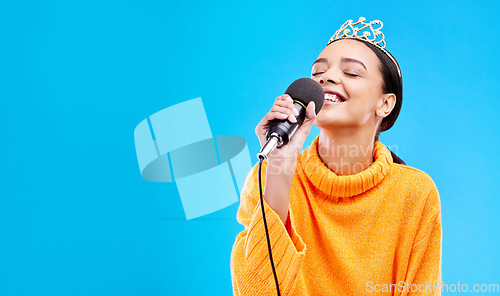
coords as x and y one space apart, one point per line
377 232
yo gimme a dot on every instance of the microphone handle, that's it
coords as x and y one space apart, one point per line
281 130
284 128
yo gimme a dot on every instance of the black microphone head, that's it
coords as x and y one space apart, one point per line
306 90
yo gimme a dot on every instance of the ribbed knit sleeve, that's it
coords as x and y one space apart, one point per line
424 270
251 270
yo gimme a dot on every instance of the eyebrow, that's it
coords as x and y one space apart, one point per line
349 60
320 60
345 60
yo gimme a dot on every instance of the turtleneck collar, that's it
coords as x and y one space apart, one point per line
335 186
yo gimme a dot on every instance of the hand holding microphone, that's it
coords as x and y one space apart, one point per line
283 110
293 112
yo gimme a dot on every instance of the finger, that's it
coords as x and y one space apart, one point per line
276 115
284 97
286 104
263 125
310 117
311 110
288 110
303 130
265 121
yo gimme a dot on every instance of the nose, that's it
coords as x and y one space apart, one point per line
327 78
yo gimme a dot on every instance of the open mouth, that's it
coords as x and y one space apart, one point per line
333 98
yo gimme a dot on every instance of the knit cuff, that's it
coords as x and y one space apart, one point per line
288 249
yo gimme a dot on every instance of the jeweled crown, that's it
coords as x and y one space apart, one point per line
369 32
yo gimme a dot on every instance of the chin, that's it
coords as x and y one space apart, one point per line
327 124
333 121
328 118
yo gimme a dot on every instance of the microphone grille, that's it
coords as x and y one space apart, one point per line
306 90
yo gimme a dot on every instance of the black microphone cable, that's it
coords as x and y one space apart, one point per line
302 91
261 158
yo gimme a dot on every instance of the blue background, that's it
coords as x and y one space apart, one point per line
76 77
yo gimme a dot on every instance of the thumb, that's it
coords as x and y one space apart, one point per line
310 111
301 134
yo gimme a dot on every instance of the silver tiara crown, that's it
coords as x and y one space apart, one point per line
369 32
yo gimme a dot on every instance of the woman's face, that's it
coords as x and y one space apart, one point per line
350 70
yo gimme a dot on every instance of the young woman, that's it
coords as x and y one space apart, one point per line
345 216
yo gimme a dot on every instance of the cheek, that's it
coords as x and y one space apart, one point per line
362 91
363 98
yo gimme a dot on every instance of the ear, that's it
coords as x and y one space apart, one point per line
386 104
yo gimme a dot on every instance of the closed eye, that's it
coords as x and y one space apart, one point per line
351 74
317 73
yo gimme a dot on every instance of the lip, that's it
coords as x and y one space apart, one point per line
331 91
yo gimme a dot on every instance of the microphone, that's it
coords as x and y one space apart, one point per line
302 91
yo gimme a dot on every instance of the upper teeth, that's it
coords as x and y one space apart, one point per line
333 98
